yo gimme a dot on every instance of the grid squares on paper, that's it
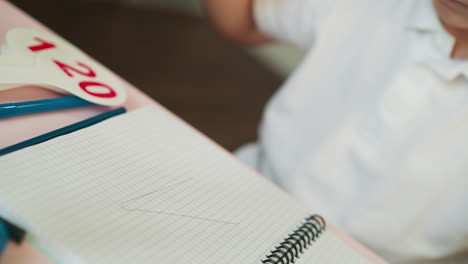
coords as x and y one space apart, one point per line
143 188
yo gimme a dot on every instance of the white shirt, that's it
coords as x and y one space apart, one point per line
372 128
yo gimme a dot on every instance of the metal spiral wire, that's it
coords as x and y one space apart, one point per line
289 249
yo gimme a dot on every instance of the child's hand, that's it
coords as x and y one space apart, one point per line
234 19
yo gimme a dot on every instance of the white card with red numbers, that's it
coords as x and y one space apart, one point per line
31 57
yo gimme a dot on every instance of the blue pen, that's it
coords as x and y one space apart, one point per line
3 236
63 131
23 108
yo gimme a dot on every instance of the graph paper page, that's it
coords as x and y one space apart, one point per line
144 187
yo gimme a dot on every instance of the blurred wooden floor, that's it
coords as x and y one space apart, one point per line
178 60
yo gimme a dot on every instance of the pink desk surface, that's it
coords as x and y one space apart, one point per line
17 129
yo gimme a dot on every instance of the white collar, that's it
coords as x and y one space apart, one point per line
423 18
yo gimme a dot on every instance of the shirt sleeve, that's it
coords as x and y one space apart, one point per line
293 21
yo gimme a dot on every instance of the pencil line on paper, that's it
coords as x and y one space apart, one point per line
126 205
155 191
182 215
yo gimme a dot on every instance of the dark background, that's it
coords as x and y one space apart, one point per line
177 59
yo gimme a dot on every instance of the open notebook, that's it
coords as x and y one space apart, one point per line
143 187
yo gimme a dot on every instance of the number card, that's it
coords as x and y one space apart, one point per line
31 57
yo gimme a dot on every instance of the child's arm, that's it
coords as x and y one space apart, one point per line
234 19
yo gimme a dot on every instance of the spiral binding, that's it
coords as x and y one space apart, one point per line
293 245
